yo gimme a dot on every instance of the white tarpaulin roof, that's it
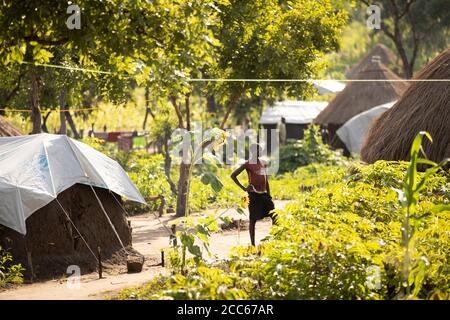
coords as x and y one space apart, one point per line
328 86
354 131
298 112
34 169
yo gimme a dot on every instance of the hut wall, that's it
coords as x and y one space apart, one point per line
53 242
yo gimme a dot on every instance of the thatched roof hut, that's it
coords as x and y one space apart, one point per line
7 129
361 96
424 106
387 57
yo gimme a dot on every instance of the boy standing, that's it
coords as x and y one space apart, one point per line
258 189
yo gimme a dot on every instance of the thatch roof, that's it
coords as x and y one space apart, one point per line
424 106
387 57
7 129
358 97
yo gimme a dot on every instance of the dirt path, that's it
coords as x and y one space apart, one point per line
149 237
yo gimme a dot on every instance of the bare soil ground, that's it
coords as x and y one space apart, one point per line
149 238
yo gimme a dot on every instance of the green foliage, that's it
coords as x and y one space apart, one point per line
414 271
309 150
289 184
147 173
339 240
10 273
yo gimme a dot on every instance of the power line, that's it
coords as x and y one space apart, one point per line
236 79
46 110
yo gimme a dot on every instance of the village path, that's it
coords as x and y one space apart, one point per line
149 237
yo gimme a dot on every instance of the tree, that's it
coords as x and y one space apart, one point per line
240 39
273 40
184 47
409 23
34 31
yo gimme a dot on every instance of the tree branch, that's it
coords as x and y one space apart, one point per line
188 111
46 42
173 100
13 92
406 9
230 104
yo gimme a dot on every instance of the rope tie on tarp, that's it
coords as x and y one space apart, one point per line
109 220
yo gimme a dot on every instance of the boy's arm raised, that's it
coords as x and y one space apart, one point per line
235 174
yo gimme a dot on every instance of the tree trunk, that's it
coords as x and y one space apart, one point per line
182 190
167 166
62 114
145 118
229 106
44 123
35 110
188 111
148 110
72 125
211 104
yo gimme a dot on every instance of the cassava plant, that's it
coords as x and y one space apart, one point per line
413 271
206 163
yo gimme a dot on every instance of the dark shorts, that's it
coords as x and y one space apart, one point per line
260 206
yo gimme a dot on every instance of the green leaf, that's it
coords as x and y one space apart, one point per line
211 179
440 208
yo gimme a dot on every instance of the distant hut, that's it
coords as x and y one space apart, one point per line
298 115
425 106
358 97
387 57
7 129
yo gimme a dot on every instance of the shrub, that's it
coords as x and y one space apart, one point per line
307 151
10 273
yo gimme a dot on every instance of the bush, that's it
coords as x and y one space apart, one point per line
307 151
10 273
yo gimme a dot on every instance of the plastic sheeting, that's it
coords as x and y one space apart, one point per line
325 87
354 131
34 169
297 112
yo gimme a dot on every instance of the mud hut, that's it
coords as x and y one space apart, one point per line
52 243
425 106
7 129
387 57
360 96
60 200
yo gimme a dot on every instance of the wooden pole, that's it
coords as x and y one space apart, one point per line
100 268
29 259
30 264
162 258
173 237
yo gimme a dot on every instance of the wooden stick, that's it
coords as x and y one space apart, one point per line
30 264
100 267
173 237
162 258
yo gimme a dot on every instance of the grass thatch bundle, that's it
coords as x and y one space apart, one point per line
7 129
425 106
